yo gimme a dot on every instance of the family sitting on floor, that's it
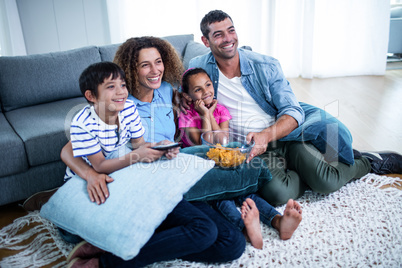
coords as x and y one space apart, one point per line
130 104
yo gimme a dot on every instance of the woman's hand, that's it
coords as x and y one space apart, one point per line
144 153
170 153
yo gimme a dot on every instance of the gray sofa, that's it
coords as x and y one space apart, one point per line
39 95
395 31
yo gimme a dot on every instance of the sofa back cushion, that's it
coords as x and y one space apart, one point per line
35 79
193 49
178 41
107 52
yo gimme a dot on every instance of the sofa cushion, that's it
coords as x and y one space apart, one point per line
178 41
12 157
35 79
193 49
141 196
107 52
22 185
44 128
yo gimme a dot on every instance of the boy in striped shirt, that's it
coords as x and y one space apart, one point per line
108 123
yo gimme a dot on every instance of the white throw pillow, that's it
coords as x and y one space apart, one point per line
141 196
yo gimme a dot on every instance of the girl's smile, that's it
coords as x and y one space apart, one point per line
201 88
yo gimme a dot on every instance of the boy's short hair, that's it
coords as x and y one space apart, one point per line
186 77
95 74
212 17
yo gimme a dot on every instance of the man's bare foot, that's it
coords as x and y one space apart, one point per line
251 218
288 223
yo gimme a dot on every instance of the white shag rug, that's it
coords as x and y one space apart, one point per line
358 226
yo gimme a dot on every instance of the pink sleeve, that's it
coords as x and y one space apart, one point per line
221 114
188 120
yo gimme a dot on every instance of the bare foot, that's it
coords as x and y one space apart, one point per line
251 218
290 220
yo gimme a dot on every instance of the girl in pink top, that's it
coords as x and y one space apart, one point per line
205 113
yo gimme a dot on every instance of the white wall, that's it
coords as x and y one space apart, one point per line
54 25
11 37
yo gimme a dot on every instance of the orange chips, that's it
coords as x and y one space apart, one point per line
226 158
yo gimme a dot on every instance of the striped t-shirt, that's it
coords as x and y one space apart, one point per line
90 135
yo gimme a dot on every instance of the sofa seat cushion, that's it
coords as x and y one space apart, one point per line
42 78
22 185
45 128
12 158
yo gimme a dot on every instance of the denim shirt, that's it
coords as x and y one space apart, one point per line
157 117
263 78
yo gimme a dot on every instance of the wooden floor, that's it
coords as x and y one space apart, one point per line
370 106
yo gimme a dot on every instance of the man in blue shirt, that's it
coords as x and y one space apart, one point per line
304 146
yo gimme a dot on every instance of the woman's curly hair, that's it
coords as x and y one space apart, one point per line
127 58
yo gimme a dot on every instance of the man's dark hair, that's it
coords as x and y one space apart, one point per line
95 74
211 17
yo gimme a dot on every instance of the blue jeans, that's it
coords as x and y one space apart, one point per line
193 232
228 208
69 237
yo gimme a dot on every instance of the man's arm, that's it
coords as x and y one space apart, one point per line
283 97
282 127
96 182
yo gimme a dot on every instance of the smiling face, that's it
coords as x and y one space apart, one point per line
150 69
200 87
222 39
111 97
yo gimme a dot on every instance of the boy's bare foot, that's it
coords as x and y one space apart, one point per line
251 218
288 223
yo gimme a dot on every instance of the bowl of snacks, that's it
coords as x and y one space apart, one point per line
226 148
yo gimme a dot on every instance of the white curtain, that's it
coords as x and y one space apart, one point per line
328 38
311 38
11 37
323 38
